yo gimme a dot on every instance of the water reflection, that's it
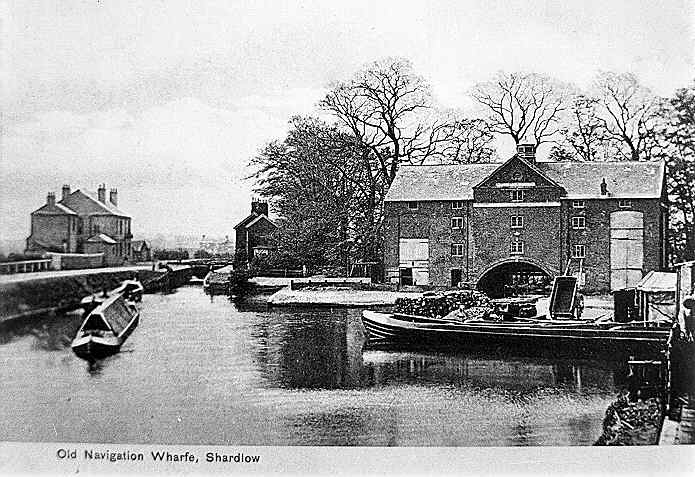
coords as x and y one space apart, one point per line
323 349
197 371
51 331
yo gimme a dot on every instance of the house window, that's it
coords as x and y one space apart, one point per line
457 249
625 203
578 204
579 251
457 222
457 204
412 205
517 221
517 247
517 196
578 223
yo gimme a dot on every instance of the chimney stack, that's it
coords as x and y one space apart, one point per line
101 193
259 207
604 187
113 196
51 199
66 191
527 152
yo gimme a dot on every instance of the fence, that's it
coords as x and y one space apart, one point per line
25 266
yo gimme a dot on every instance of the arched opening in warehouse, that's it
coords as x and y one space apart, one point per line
514 278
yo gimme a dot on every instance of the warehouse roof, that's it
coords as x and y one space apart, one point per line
581 180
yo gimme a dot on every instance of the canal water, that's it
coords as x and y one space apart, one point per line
210 371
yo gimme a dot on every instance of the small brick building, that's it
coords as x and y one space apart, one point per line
253 234
496 225
82 222
140 251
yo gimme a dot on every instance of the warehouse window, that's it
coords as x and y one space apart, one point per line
457 222
517 247
578 204
413 205
457 204
517 196
579 251
578 223
457 249
625 203
517 221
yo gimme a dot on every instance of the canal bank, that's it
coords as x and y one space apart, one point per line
30 294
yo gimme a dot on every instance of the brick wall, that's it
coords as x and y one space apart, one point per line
491 237
391 237
487 233
51 230
258 234
596 237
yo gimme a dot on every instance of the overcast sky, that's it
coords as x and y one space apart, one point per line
168 100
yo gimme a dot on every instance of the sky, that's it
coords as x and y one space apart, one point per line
169 100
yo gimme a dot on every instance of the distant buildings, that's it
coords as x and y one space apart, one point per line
82 222
497 225
217 247
253 234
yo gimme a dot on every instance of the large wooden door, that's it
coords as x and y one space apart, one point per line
627 249
415 254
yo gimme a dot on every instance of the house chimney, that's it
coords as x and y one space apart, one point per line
259 207
604 187
113 196
66 191
51 199
101 193
527 152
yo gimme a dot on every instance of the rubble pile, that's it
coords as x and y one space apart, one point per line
471 304
631 423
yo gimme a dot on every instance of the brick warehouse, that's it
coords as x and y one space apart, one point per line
498 224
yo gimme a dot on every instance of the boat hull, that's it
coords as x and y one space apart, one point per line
91 347
384 329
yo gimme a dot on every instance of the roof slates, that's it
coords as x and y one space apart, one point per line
629 180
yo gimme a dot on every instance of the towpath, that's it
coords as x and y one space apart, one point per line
24 277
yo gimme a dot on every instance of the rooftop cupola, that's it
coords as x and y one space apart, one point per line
527 152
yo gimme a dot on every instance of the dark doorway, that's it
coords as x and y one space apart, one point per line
406 277
515 279
455 277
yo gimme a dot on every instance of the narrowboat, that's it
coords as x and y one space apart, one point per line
106 328
132 290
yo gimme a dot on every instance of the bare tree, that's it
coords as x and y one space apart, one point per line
525 106
390 110
629 113
584 136
470 141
